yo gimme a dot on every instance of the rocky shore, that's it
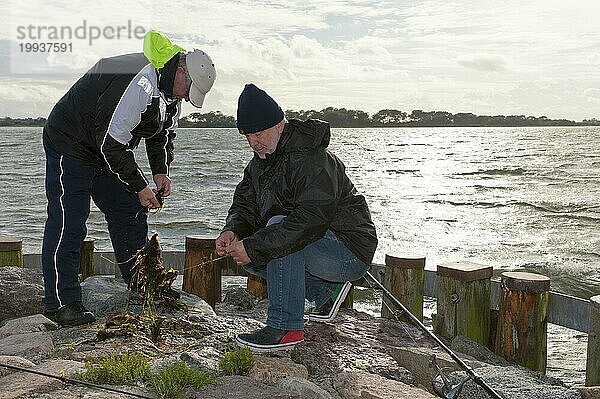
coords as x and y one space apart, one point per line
356 356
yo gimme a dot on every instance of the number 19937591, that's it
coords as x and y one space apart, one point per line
46 47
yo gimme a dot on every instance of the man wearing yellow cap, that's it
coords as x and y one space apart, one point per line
89 140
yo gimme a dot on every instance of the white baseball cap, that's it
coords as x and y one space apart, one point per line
203 74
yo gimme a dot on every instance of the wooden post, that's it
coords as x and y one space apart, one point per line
256 286
463 305
86 262
11 251
200 276
592 374
405 278
522 319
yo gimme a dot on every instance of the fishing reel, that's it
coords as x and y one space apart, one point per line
442 385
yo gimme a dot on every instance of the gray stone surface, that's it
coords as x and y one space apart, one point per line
104 295
513 383
14 361
33 323
304 388
21 384
589 392
31 344
360 385
465 345
270 369
21 292
240 298
356 341
242 387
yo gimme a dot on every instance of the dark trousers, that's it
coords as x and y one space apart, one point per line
69 186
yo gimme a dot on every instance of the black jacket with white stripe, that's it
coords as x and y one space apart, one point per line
107 112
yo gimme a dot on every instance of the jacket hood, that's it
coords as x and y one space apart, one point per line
304 135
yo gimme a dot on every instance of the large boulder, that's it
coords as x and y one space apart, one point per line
21 292
35 323
28 344
242 387
104 295
358 385
21 384
270 369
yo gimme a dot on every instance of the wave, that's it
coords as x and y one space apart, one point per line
495 172
402 171
178 223
558 210
586 218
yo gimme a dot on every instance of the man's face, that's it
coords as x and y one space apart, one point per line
265 141
181 84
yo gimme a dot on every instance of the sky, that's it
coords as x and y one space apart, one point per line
535 57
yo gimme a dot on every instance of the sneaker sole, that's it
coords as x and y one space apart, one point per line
77 322
336 306
265 348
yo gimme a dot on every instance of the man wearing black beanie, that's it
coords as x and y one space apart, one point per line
296 220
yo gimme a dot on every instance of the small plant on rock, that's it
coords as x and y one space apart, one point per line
237 362
128 369
171 380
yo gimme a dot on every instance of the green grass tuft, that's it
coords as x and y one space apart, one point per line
171 380
116 369
237 362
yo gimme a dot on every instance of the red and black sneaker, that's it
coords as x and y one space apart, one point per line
269 339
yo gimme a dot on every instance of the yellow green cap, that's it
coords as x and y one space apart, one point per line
159 49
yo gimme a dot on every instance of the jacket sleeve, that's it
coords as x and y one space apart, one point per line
243 217
116 124
159 147
316 192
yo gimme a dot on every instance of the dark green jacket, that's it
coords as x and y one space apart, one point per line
305 182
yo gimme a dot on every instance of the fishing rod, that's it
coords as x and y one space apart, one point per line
443 386
75 382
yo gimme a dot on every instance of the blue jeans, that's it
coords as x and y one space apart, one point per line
69 186
313 273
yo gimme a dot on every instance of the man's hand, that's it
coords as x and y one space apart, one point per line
224 240
148 199
163 182
238 252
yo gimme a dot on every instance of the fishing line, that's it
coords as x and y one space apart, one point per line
74 382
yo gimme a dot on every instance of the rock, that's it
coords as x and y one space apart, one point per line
464 345
416 360
305 388
35 343
240 297
21 292
242 387
206 358
21 384
589 392
269 370
34 323
513 383
104 295
14 361
354 341
360 385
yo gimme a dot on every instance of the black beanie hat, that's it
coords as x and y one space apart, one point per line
256 110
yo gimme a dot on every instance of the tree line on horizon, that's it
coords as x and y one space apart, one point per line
342 117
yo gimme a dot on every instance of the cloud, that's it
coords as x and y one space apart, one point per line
482 62
460 56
